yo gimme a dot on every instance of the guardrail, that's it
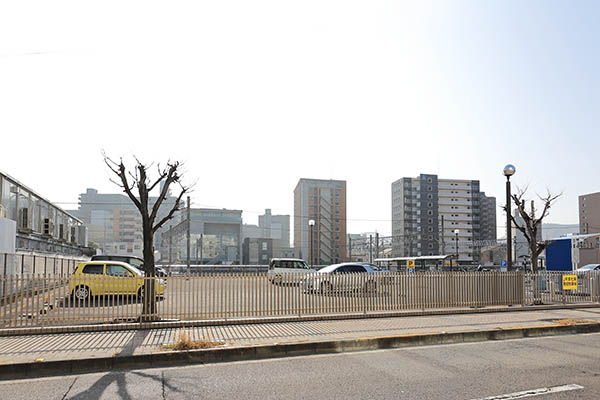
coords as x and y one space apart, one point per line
53 300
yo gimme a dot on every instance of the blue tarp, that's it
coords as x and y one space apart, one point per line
559 256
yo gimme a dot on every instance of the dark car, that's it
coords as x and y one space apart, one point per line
135 262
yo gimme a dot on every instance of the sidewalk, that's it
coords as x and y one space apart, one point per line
87 346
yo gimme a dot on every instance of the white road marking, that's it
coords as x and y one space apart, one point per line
534 392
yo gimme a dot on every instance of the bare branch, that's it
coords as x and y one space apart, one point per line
175 208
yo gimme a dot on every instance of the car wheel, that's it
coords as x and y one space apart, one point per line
140 294
326 288
81 293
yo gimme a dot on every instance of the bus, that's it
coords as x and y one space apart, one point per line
418 264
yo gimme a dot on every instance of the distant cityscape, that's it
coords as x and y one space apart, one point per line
429 216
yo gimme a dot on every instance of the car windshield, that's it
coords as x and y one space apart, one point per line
375 267
329 268
589 267
136 270
136 263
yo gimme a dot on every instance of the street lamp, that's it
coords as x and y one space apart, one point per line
509 171
311 223
456 231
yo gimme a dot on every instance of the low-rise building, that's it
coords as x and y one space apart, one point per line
31 223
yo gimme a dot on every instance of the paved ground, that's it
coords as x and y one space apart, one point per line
563 367
122 343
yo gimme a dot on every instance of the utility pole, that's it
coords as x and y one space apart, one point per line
376 244
349 248
188 234
201 248
370 248
443 241
170 247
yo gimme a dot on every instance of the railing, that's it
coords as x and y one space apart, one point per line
53 300
31 263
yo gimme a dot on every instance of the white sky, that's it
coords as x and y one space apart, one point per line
253 95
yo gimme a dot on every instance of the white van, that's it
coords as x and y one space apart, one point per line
287 270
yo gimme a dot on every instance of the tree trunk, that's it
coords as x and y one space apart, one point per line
534 254
149 298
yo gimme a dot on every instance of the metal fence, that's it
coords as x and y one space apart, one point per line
52 300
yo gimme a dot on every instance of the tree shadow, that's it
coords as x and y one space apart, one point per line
102 301
97 390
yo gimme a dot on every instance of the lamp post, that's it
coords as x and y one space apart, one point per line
456 231
311 223
509 171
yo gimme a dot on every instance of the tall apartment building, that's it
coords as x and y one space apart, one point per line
420 206
589 213
323 201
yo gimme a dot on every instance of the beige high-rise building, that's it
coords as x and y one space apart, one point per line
324 202
589 213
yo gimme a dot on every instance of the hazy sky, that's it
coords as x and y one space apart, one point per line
254 95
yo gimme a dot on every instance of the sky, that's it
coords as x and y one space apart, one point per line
253 95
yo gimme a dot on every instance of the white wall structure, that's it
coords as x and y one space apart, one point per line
8 234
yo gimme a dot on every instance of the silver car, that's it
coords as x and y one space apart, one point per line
345 277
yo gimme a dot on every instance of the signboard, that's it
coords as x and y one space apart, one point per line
503 268
569 282
410 265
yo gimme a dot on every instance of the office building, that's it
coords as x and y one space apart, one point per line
215 237
114 223
324 203
275 227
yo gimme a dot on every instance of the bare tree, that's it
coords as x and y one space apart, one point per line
138 181
529 226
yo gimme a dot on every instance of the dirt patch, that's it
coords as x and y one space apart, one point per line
571 321
184 342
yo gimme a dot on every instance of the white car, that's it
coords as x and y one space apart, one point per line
345 277
287 270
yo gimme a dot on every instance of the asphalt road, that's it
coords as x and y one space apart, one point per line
463 371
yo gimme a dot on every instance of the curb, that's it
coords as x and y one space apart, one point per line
127 326
260 352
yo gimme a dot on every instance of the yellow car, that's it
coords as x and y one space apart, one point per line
96 278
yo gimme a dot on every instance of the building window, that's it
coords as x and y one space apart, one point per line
265 245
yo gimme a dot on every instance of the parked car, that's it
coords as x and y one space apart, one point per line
97 278
345 277
136 262
287 270
588 268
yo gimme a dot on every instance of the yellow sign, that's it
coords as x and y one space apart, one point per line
569 282
410 264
